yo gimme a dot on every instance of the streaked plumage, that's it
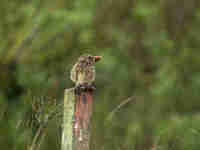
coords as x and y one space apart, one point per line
83 72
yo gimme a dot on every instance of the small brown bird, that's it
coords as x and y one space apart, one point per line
83 72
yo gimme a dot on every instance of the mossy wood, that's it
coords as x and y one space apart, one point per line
67 134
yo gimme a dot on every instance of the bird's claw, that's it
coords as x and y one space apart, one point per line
84 88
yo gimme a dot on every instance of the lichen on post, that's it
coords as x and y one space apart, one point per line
68 113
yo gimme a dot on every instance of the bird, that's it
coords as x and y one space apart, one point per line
83 72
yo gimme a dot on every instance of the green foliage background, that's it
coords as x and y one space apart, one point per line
150 50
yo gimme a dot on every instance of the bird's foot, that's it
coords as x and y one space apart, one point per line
89 87
85 87
79 89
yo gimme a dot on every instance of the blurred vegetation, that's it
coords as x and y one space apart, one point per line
150 51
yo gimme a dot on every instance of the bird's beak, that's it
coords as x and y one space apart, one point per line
97 58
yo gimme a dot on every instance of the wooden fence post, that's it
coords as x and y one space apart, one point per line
76 120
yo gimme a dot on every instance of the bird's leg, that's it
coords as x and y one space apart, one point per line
80 88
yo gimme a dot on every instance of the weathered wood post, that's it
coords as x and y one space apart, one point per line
76 120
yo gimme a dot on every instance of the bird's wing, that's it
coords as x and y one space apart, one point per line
93 73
